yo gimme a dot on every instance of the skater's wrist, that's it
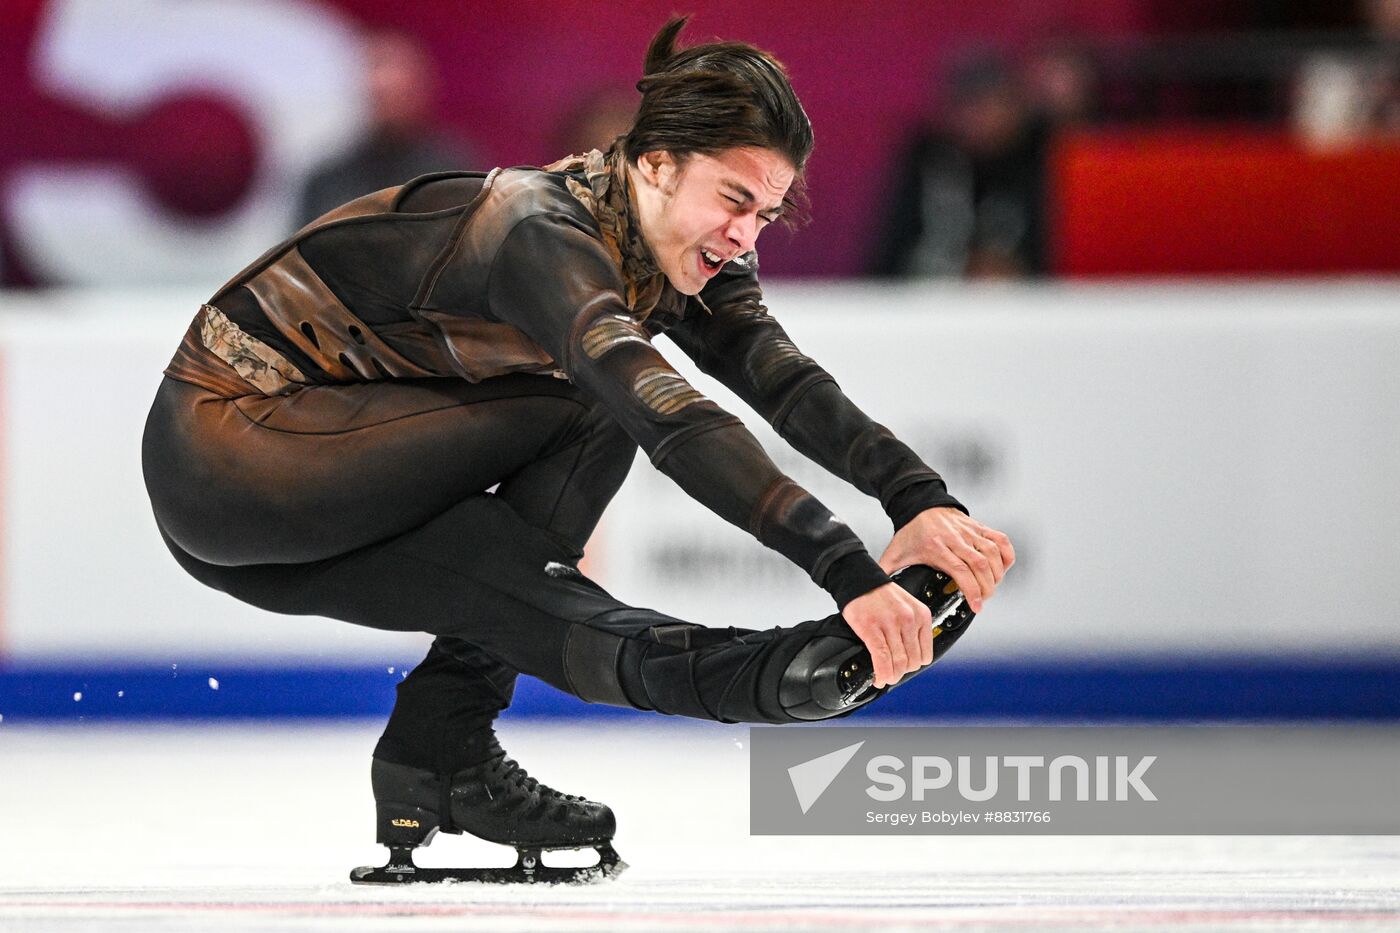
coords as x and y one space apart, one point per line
906 505
853 575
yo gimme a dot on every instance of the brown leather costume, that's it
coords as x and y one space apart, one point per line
471 276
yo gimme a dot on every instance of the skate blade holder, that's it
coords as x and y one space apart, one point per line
529 868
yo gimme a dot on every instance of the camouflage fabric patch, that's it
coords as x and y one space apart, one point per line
610 331
664 391
257 363
606 193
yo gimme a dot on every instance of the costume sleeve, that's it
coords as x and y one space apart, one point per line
553 279
741 345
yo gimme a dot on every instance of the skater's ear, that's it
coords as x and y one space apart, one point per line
659 170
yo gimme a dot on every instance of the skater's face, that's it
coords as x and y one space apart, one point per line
702 211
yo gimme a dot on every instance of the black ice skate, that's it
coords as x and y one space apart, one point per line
496 801
834 674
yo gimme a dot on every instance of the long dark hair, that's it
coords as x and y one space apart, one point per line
717 96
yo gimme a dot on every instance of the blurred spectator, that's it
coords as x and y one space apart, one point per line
1062 85
968 199
597 120
400 144
1343 98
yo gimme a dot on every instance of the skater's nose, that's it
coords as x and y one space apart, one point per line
742 231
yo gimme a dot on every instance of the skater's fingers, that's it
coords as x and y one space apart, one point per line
884 666
954 566
899 656
916 619
912 650
1003 543
981 569
1005 552
926 644
865 615
989 549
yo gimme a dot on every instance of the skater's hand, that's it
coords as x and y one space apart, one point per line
975 556
896 628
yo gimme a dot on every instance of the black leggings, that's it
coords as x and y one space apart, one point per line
368 503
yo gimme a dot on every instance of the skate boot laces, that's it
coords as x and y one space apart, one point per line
503 773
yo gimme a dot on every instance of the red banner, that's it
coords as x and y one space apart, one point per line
1210 203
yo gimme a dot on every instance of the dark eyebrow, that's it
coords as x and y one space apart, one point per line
747 195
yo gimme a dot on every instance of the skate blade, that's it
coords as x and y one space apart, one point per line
528 869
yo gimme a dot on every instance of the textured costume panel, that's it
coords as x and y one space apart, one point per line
609 332
258 364
664 391
774 362
196 365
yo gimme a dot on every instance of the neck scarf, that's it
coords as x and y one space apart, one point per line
607 193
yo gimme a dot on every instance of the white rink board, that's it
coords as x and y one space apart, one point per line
1192 470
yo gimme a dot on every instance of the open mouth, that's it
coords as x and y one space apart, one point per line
710 260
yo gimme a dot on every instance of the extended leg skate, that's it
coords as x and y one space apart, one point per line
496 801
834 674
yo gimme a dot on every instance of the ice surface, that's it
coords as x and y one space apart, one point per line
257 826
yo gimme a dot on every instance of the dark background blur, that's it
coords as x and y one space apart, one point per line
994 139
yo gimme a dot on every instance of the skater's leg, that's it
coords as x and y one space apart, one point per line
444 709
566 491
443 714
481 574
333 467
316 474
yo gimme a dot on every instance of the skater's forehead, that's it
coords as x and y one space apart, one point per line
761 176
